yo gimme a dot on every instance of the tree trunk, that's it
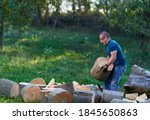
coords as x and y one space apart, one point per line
38 18
9 88
47 15
73 7
1 38
1 28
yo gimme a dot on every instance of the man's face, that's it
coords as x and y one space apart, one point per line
103 39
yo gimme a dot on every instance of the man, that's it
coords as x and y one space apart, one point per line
115 56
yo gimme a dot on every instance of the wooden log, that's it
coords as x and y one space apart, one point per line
135 77
51 83
108 95
23 84
84 96
142 97
31 93
9 88
140 71
59 95
69 87
138 87
38 81
97 70
131 96
75 83
86 87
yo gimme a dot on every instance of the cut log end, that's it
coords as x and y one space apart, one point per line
38 81
31 93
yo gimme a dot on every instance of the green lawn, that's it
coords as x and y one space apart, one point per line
66 56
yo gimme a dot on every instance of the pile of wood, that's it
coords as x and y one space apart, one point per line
137 89
132 98
138 81
38 91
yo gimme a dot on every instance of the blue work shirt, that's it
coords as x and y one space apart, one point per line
112 46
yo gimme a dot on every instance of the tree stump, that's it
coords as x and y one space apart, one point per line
97 70
31 93
138 81
38 81
9 88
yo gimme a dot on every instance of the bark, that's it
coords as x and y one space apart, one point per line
140 71
109 95
9 88
84 96
135 77
1 32
47 15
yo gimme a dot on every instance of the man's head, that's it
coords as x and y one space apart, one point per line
104 37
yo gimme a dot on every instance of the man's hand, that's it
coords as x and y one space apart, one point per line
104 68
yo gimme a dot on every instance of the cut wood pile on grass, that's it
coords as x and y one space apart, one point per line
137 90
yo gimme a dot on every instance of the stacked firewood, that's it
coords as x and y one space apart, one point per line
38 91
137 89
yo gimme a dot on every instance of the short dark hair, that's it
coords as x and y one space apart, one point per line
105 34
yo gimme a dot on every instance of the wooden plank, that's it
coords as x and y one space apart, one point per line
131 96
142 97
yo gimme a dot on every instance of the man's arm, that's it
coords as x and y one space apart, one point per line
112 58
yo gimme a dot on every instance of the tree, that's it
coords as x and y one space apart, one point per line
138 22
17 13
1 26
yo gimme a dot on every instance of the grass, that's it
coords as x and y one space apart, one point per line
66 56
